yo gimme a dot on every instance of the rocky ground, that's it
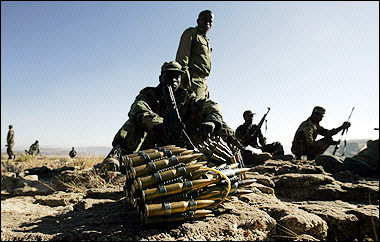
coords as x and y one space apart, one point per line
292 200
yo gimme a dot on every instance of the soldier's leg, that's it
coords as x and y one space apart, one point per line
199 86
9 152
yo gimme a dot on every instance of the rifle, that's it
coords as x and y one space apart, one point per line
253 135
173 123
341 136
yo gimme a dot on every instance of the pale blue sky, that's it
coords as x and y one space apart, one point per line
71 70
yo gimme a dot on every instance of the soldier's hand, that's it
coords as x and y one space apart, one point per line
207 128
346 125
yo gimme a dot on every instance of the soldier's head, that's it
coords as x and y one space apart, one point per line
171 73
36 142
10 126
318 113
205 20
248 116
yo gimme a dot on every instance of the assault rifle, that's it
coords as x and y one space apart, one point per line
255 132
174 124
343 131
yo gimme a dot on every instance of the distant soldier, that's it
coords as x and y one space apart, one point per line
72 153
305 143
34 149
10 142
194 54
147 124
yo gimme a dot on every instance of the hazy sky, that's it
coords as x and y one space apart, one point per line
71 70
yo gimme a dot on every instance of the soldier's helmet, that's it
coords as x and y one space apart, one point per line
248 113
172 66
36 141
10 126
318 109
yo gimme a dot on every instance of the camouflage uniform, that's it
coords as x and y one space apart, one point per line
304 142
194 53
10 142
149 110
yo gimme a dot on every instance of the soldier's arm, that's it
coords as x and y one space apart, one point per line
184 48
144 115
308 132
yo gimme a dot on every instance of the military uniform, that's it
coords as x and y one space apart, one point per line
305 143
244 131
149 110
194 53
34 149
10 142
72 153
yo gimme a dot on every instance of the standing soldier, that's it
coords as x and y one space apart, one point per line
10 142
305 143
72 153
194 54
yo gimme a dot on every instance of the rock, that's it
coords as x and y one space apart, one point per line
59 199
23 187
105 193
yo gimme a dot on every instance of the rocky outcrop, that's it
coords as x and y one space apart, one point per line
290 200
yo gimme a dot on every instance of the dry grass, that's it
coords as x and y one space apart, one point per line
54 162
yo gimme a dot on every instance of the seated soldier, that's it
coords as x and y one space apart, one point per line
148 127
72 153
34 149
305 143
245 134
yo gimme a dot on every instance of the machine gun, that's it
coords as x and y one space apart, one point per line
174 124
341 136
255 132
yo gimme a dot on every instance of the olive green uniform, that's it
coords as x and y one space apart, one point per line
149 110
244 131
305 143
11 143
194 53
34 149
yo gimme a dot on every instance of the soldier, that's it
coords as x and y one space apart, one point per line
72 153
10 142
34 149
305 143
244 134
194 54
146 126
